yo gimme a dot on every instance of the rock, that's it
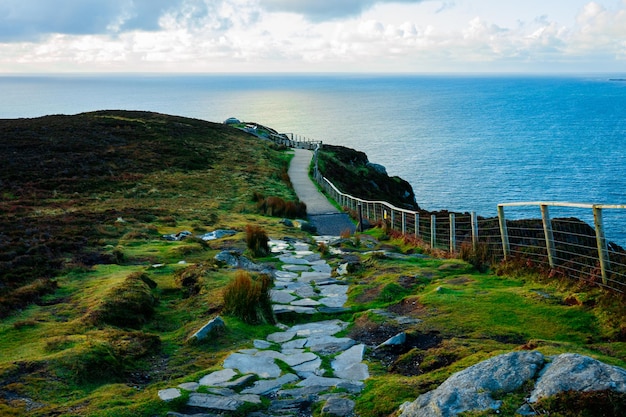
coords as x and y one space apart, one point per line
189 386
348 365
178 236
218 234
320 381
263 366
239 382
169 394
218 377
215 325
329 344
281 337
262 344
308 369
290 407
470 389
286 222
573 372
396 340
281 296
268 386
214 402
236 260
342 269
338 407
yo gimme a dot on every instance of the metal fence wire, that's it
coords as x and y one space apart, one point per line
567 238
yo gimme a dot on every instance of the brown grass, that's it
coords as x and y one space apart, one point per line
248 298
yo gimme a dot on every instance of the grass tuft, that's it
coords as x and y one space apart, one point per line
257 241
248 298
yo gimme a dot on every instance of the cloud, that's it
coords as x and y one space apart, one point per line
323 10
29 20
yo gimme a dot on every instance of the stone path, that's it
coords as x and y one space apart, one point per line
290 367
324 216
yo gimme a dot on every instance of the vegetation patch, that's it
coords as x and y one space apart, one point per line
129 304
248 298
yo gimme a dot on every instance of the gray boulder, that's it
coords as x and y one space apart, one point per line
236 260
573 372
215 325
471 388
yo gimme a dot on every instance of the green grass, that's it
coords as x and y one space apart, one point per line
127 178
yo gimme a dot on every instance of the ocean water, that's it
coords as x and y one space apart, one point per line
465 143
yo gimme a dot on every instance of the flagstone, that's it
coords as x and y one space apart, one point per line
218 377
247 364
281 296
281 337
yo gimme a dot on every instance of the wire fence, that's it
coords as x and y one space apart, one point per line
557 239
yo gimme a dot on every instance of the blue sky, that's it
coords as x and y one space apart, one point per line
406 36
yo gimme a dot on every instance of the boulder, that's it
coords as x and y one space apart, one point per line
470 389
573 372
396 340
215 325
218 234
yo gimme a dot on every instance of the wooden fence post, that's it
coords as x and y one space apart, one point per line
603 252
417 225
403 223
506 248
547 230
452 233
433 231
474 226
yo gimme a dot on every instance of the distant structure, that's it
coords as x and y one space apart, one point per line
232 121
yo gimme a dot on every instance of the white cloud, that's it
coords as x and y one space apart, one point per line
240 35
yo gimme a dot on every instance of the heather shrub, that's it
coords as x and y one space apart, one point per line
257 241
278 207
480 257
248 298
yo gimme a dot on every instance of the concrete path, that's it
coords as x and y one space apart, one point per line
324 216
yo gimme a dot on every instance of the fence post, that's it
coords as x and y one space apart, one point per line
361 218
474 226
547 230
433 230
504 233
452 233
603 252
403 223
417 225
393 220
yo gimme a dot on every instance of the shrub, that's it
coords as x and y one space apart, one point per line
257 241
249 299
480 257
278 207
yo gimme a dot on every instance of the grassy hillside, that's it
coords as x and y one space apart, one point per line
89 327
85 202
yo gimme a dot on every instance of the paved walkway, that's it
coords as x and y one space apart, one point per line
324 216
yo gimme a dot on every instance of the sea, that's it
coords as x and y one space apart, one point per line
464 142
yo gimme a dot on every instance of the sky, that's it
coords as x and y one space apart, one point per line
311 36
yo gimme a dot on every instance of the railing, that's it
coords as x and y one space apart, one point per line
565 245
296 141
